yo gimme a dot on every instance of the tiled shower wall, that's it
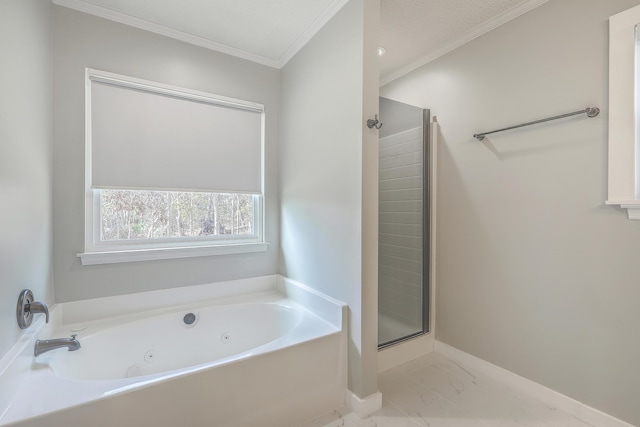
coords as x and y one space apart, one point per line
400 222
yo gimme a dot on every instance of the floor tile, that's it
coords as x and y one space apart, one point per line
434 391
388 416
334 418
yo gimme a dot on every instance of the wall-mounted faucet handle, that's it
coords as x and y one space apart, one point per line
27 307
38 307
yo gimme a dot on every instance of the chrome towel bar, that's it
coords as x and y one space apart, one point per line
589 111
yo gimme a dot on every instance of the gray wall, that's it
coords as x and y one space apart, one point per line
83 40
26 89
323 147
534 273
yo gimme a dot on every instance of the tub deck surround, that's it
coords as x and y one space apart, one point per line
249 356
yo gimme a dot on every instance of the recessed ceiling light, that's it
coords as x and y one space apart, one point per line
381 51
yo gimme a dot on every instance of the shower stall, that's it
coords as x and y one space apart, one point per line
404 223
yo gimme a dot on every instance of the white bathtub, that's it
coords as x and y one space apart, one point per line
264 351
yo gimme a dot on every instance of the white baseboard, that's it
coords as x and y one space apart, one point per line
548 396
363 407
404 352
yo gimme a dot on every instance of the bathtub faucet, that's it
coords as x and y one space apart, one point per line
42 346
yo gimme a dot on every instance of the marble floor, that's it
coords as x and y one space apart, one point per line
433 391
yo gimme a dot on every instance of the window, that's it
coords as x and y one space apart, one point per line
170 172
624 114
134 216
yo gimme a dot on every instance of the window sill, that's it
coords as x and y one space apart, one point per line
632 207
112 257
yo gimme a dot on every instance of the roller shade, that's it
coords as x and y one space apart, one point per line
146 137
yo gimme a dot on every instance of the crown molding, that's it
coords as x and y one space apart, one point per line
315 26
470 35
163 30
123 18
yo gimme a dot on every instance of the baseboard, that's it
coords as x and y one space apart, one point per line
363 407
548 396
404 352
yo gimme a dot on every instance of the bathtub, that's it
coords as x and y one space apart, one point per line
264 351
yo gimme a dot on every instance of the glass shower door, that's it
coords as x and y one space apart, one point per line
403 223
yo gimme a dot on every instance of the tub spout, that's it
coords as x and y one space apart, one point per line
42 346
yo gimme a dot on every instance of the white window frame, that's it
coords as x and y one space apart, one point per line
107 252
624 114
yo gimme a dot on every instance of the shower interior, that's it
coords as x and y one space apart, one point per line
404 241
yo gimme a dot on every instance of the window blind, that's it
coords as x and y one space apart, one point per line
148 137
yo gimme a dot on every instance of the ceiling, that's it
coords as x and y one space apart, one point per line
270 32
